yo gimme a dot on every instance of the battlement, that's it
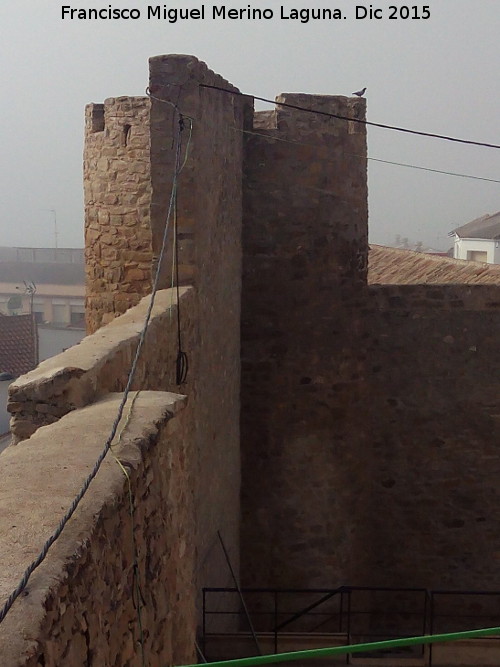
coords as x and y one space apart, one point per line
357 426
229 166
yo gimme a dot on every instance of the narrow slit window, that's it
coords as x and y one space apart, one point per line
97 123
126 134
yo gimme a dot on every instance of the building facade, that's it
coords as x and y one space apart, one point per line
479 240
49 282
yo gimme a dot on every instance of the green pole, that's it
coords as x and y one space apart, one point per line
353 648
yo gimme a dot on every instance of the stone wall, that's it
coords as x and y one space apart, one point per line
208 213
304 286
101 362
433 424
129 164
369 415
81 605
117 193
440 297
433 367
407 462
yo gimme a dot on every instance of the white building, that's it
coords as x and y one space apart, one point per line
50 282
479 240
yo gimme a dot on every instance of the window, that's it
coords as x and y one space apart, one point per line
126 134
77 316
59 314
477 255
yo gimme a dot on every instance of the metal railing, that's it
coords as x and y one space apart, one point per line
452 610
359 613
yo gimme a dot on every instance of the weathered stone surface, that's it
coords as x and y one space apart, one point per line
209 209
304 271
79 606
370 415
433 378
210 315
101 362
444 298
116 176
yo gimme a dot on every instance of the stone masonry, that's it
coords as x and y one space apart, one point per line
209 228
208 213
117 190
304 286
368 415
81 605
99 365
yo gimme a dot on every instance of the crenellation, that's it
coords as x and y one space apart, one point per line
305 235
94 118
116 175
355 408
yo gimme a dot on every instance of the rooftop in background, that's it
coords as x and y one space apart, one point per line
46 273
486 227
42 266
42 255
407 267
18 344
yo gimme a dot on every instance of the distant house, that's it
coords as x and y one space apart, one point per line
18 355
48 282
23 345
478 240
18 345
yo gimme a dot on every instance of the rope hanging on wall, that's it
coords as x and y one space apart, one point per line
23 583
181 362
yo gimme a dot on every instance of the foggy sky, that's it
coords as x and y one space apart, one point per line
439 75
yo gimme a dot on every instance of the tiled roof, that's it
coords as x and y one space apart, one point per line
18 344
50 273
486 227
407 267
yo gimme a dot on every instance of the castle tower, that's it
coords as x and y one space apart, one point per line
117 194
304 280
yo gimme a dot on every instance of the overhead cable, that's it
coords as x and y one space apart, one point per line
328 114
365 157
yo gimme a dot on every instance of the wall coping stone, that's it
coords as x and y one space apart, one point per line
40 478
95 349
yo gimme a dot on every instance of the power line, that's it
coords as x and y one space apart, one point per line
354 120
435 171
373 159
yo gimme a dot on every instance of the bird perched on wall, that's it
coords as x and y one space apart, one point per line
360 93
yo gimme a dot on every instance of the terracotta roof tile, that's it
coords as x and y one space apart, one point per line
407 267
18 344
